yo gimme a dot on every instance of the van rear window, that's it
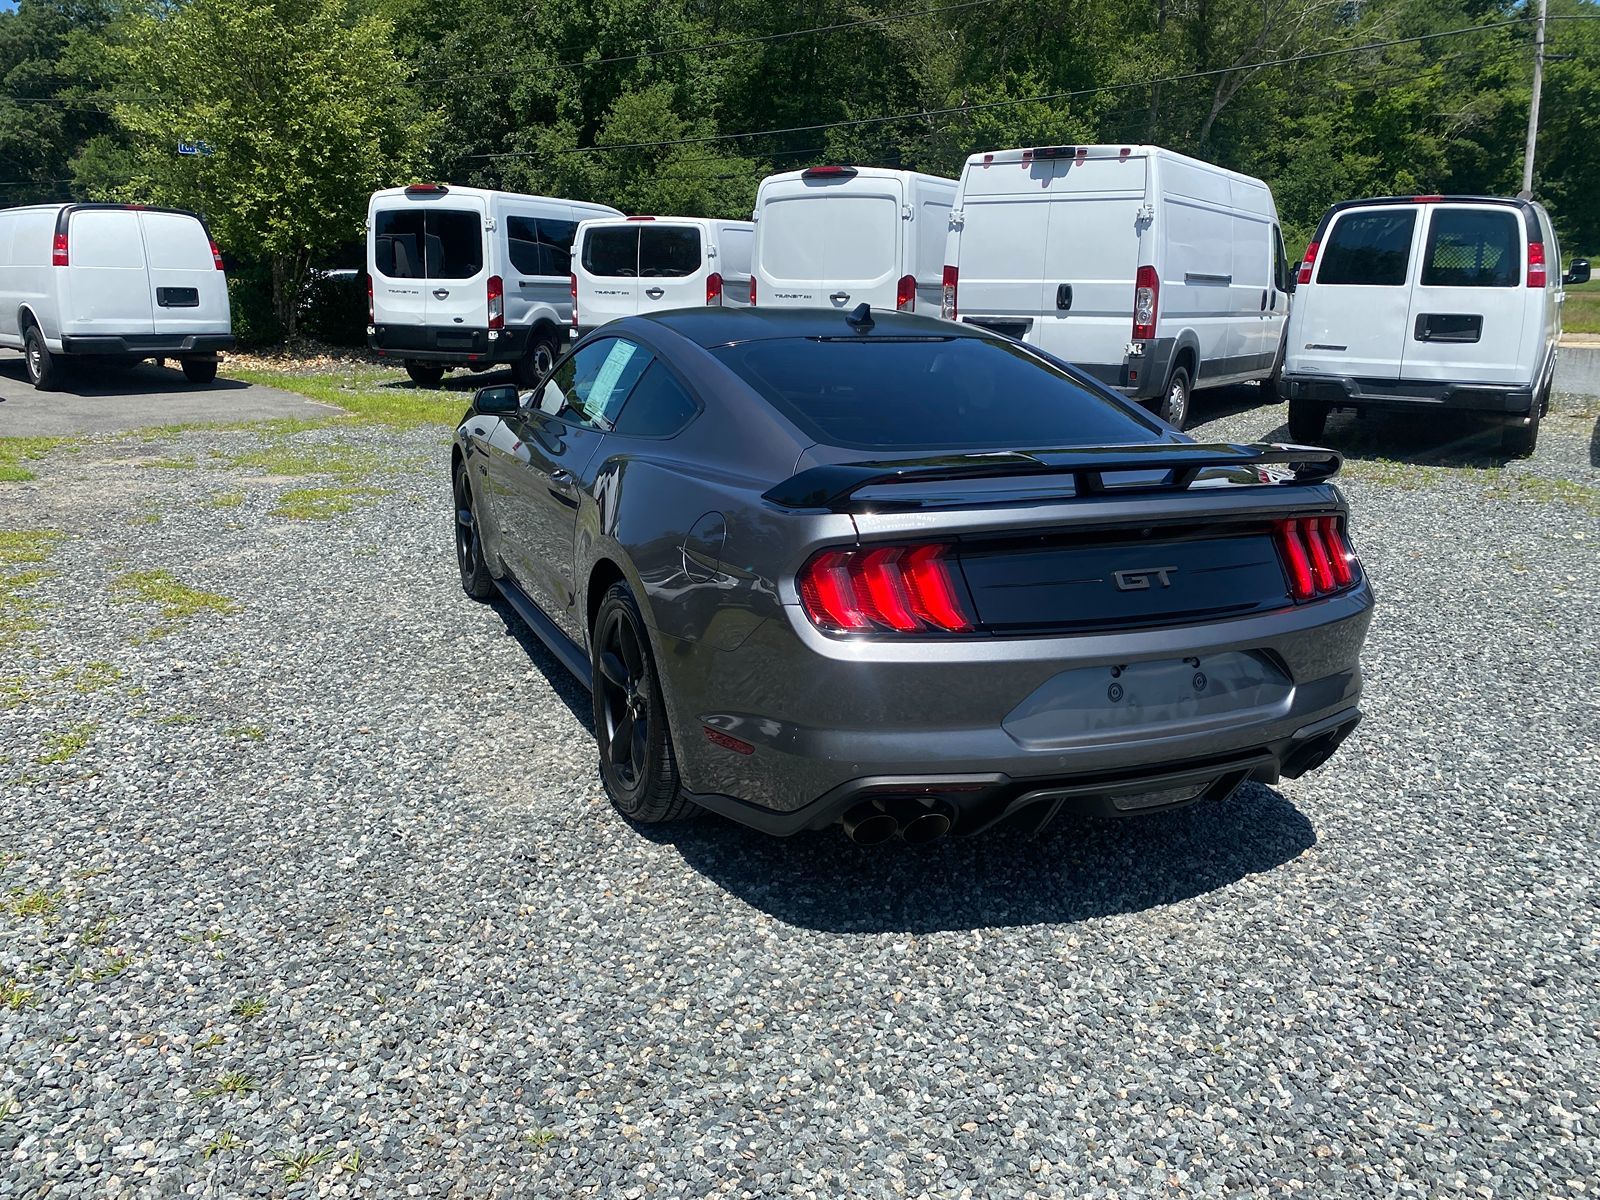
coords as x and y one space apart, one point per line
612 251
668 251
413 243
1369 248
1472 247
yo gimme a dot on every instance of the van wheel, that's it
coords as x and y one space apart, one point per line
1174 406
1307 420
424 374
533 366
43 370
200 370
1518 441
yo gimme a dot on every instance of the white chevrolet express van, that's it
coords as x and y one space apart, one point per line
1154 272
842 236
622 266
113 283
1428 303
463 277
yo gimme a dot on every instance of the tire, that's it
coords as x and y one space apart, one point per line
1518 441
637 766
533 366
475 578
200 370
44 372
425 374
1173 408
1307 420
1272 385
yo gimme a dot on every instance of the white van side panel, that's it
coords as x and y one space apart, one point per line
26 277
1253 336
105 288
1195 224
179 253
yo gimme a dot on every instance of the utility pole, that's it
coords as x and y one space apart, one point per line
1533 107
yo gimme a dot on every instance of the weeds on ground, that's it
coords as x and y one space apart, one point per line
24 549
176 600
183 462
37 903
226 1140
350 1162
206 1043
249 733
249 1007
114 964
15 997
296 1163
539 1138
16 451
233 1083
227 500
64 745
338 459
370 395
321 504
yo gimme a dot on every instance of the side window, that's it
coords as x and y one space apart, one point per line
1280 265
1370 248
1473 247
667 252
397 243
588 388
612 250
540 246
657 407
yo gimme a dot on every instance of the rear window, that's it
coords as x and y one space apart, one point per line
539 245
613 251
668 252
932 393
1371 249
1472 247
412 243
835 238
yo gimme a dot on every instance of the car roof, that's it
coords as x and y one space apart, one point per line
708 327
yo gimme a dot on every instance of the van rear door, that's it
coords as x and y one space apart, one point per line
107 284
831 239
1468 309
396 270
608 273
189 292
1002 221
671 266
1353 320
457 272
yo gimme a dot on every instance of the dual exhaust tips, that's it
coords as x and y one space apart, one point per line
918 822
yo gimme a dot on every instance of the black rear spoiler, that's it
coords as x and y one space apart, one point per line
832 487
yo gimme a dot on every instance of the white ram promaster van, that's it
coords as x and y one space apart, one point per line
463 277
627 265
842 236
114 283
1153 272
1427 303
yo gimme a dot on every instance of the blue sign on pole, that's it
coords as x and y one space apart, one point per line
189 149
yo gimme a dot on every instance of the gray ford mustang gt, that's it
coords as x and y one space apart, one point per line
905 575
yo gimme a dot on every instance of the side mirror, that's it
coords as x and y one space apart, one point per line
1577 272
1294 277
501 398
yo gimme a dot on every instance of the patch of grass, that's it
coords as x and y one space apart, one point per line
37 903
114 964
177 718
206 1043
1581 312
1542 490
150 516
63 745
1386 472
15 997
227 500
250 733
370 395
91 873
296 1163
233 1083
351 1162
96 677
226 1140
539 1138
321 504
24 548
183 462
338 459
96 933
15 451
15 692
247 1008
27 545
177 600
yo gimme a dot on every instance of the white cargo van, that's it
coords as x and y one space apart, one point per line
1154 272
114 283
1428 303
622 266
463 277
842 236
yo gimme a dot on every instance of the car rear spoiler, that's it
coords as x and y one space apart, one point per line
833 486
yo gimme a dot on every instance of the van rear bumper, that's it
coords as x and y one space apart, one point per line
1141 377
1401 395
447 344
148 345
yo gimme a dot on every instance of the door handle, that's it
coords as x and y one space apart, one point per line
1063 297
839 297
561 477
654 293
441 293
1263 299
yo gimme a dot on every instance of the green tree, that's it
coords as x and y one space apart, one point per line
44 117
303 105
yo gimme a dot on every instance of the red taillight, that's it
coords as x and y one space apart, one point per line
1307 263
1317 556
1431 198
641 218
574 282
58 250
905 293
947 293
896 589
714 289
1536 272
372 309
829 172
1146 300
216 255
752 291
426 189
497 302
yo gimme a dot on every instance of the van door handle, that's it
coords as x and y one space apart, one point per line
654 293
1263 300
839 297
1063 297
441 293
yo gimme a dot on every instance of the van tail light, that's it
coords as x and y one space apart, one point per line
752 291
1317 556
947 293
574 285
714 289
905 293
216 255
884 589
372 308
1307 263
1146 301
58 250
1536 272
497 302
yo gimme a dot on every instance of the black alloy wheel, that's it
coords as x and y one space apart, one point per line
475 579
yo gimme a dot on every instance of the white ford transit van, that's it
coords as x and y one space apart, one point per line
1154 272
463 277
627 265
1428 303
111 282
842 236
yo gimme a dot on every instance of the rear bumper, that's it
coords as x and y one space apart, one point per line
451 345
1344 391
148 345
1139 377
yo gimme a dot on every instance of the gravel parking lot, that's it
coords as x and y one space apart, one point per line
308 887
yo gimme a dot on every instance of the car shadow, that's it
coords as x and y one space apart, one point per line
1213 404
1077 869
572 693
1418 438
91 381
461 381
